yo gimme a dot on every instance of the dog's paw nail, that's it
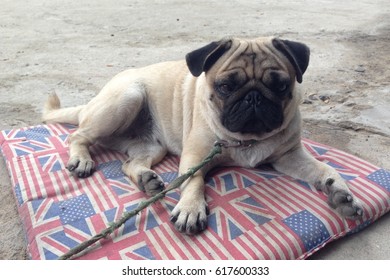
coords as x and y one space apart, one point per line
174 218
192 230
329 182
182 227
349 198
201 225
359 212
83 174
71 167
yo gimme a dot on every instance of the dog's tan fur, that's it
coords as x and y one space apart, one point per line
181 114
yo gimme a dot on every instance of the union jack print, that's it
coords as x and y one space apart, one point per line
254 213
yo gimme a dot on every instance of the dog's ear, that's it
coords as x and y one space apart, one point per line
203 59
297 53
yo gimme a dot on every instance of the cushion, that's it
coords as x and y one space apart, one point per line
254 213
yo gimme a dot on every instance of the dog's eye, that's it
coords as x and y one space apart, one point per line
281 87
278 82
225 88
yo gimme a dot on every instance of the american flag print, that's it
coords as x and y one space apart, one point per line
254 213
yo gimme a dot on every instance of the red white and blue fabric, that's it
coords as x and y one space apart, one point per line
254 213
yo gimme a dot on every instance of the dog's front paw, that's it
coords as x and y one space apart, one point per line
191 217
150 183
81 167
341 199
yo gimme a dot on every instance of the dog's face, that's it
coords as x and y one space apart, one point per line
251 82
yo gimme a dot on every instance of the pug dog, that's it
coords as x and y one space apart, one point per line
240 92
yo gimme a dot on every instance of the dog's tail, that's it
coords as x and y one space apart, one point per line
53 113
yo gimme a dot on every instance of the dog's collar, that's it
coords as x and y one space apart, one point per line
235 143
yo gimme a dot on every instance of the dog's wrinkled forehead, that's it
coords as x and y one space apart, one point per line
260 53
253 57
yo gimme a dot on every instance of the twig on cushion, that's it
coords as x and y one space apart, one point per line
217 149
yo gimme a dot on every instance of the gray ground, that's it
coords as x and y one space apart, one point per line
75 47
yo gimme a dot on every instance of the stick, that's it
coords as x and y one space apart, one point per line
217 149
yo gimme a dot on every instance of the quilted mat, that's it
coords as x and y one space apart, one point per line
254 213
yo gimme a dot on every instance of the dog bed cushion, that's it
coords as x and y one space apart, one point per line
254 213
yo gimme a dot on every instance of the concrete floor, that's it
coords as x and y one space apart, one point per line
75 47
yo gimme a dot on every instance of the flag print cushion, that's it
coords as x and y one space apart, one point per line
254 213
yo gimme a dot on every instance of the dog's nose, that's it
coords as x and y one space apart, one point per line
253 97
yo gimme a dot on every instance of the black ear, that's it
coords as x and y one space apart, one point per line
297 53
202 59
